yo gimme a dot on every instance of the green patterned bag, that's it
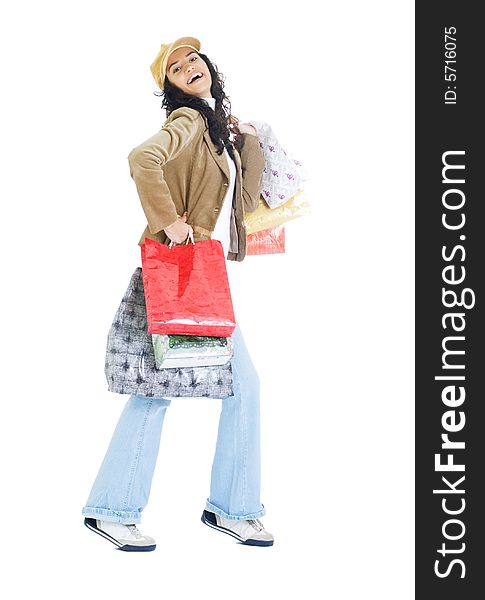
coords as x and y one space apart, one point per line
190 350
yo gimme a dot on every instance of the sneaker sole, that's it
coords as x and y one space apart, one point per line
91 525
249 542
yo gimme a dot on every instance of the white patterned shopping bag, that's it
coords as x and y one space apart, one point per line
283 176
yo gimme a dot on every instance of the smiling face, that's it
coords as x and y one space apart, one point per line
187 71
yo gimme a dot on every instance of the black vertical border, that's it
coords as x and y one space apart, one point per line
441 128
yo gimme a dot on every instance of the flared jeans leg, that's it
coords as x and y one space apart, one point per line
121 489
122 486
236 469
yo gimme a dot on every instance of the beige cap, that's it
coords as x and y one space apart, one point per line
159 65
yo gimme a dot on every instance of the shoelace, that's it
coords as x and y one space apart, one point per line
256 523
134 530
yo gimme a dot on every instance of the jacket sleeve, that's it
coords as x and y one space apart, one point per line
252 166
146 162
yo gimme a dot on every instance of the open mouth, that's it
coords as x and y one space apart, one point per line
195 77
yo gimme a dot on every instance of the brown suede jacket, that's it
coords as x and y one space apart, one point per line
178 169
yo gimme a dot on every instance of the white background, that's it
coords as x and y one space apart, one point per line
337 379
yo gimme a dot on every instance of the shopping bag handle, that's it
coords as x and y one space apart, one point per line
190 237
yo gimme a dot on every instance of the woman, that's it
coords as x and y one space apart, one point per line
207 182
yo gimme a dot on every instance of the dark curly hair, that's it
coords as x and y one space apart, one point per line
223 129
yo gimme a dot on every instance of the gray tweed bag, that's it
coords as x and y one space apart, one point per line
130 361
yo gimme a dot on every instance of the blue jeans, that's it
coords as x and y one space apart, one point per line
122 486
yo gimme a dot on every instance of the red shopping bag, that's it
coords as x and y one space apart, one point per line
267 241
186 289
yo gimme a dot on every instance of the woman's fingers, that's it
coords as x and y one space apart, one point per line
179 231
247 128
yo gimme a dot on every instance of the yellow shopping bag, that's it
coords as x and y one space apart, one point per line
264 217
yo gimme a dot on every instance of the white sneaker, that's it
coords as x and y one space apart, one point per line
250 532
124 537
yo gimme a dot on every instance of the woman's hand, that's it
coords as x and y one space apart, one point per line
247 128
179 231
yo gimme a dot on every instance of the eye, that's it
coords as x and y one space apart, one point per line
194 58
176 69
